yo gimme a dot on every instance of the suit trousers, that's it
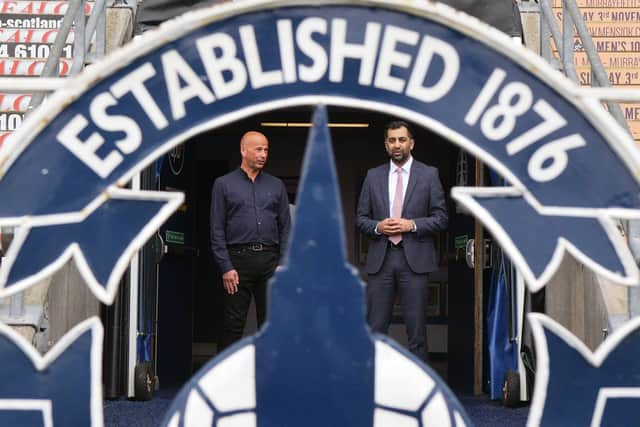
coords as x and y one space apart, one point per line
254 271
396 277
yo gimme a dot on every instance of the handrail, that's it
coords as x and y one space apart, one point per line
596 64
603 93
53 61
74 14
96 19
24 84
608 94
548 18
79 43
574 18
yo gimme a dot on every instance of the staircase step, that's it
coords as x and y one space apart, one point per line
30 67
28 30
31 36
14 103
31 9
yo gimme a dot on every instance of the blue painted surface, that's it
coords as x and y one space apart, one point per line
503 353
103 237
315 345
575 382
536 236
65 384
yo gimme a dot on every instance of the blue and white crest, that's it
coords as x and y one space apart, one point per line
439 69
416 60
62 388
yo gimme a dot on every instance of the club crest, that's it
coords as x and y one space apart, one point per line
421 61
468 87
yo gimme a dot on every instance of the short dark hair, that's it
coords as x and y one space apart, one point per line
397 124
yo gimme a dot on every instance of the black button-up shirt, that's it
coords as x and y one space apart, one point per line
244 211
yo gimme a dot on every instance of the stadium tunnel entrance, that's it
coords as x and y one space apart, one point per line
181 289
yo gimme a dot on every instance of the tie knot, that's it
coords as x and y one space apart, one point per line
398 171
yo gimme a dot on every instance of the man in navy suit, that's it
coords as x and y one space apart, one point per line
401 209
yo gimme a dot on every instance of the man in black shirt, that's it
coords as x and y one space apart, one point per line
249 231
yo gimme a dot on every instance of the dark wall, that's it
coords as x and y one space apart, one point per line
502 14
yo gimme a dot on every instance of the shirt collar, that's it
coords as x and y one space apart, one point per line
244 174
405 168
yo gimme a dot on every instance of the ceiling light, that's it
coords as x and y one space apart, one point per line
306 125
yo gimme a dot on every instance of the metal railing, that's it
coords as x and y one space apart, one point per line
603 92
564 41
84 32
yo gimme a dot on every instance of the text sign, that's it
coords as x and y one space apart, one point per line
175 237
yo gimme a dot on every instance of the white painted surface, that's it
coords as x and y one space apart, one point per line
231 384
240 420
197 412
383 418
134 276
436 413
399 382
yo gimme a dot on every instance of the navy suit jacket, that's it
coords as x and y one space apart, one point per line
423 202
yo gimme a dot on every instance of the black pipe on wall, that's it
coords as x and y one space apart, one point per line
115 319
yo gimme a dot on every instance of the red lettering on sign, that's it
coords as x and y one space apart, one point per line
64 68
58 9
18 100
46 34
31 71
29 36
28 8
3 136
15 37
14 68
8 6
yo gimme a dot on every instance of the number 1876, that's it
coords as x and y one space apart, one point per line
498 121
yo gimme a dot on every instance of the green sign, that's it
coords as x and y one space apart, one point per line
174 237
460 242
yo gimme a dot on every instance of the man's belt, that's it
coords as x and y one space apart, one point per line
253 247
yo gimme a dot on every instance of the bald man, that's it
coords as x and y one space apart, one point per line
249 230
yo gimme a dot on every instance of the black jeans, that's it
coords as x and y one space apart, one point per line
254 270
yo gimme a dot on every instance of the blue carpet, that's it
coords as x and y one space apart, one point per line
130 413
487 413
126 413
